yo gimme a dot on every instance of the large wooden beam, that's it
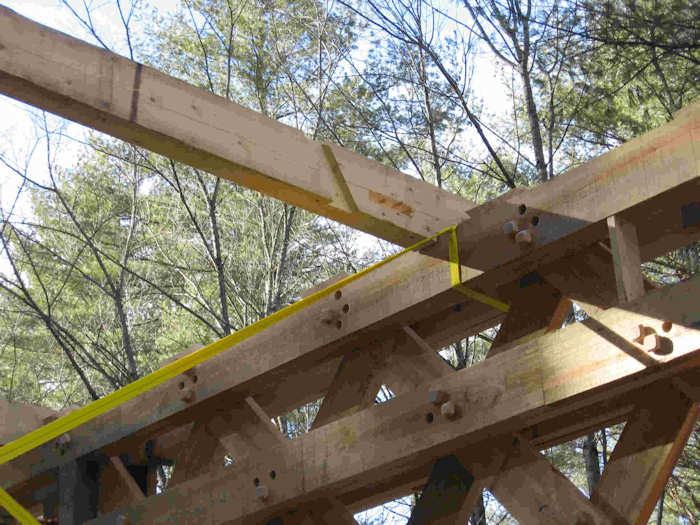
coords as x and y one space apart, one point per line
645 455
16 419
572 209
534 492
538 382
138 104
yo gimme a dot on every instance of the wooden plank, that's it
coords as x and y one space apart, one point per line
538 382
645 455
140 105
625 250
534 492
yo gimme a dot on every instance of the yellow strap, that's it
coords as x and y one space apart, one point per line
456 275
96 408
16 510
82 415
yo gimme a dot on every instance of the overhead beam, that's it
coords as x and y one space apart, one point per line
135 103
538 382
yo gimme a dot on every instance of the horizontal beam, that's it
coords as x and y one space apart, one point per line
135 103
537 382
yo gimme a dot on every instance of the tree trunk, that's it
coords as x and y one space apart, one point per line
591 460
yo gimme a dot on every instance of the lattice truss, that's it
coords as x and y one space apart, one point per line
523 259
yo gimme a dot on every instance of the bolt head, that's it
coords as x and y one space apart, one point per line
62 443
448 409
262 493
187 394
436 396
523 237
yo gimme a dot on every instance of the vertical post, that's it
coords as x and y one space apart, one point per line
625 250
78 491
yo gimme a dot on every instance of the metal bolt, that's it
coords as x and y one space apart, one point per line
261 492
436 396
448 409
510 228
523 237
62 443
187 394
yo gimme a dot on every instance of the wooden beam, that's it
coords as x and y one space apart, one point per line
127 479
540 381
442 498
534 492
625 250
202 452
533 305
78 489
400 362
645 455
354 387
570 211
16 419
135 103
330 511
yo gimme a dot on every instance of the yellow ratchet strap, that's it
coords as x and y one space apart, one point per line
456 275
96 408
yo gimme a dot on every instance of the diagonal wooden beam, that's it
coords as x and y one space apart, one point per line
354 386
442 498
138 104
126 478
534 305
202 452
534 492
645 455
402 361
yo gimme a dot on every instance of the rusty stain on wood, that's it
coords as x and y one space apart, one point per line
392 204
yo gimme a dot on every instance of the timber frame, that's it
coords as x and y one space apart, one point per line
579 238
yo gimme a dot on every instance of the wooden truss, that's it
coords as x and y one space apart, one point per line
579 238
